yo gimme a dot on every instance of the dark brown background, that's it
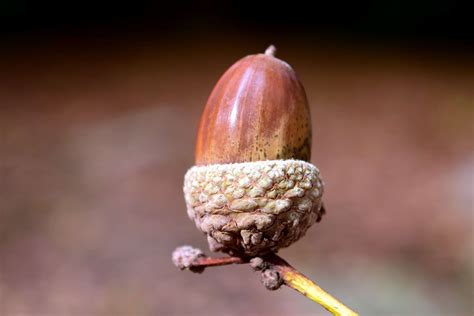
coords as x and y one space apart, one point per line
98 117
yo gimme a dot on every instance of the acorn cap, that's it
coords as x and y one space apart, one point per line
253 208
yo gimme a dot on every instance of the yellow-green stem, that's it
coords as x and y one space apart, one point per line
308 288
299 282
187 257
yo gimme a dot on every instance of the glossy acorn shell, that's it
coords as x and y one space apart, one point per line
257 111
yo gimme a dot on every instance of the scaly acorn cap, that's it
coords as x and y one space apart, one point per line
253 190
253 208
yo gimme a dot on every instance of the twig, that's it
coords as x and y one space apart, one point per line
274 272
299 282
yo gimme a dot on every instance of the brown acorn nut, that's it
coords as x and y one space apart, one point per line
257 111
253 190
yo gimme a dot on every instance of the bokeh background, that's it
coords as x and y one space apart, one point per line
99 106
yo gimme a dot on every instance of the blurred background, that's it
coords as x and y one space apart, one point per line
99 106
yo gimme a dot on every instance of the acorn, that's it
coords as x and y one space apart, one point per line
253 189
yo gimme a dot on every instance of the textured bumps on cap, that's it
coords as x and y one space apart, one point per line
253 208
